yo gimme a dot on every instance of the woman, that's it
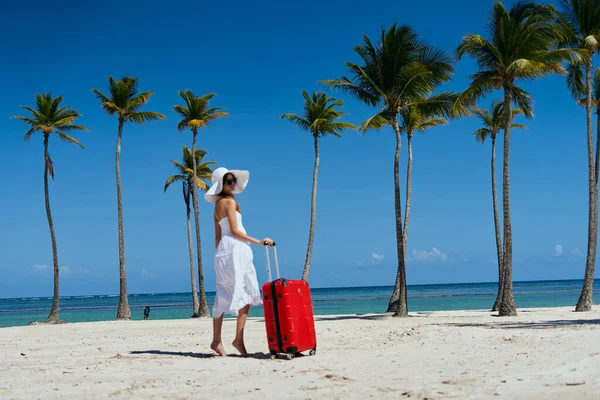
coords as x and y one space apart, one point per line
237 286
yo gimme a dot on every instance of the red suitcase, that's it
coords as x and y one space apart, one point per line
289 315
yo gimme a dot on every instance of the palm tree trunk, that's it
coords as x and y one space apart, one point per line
585 299
123 312
393 304
402 301
53 316
186 198
496 227
313 213
507 304
203 303
408 187
597 164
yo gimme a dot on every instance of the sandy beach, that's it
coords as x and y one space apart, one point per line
542 353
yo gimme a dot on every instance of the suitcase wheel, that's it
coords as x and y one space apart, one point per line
285 356
312 352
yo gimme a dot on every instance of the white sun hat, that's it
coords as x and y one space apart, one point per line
242 176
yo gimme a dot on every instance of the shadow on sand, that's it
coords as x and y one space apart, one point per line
527 324
259 356
365 317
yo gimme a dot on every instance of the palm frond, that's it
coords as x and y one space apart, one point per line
107 104
28 134
359 93
68 138
178 165
340 126
520 45
195 112
523 100
126 101
49 117
521 126
34 112
442 104
320 115
575 79
430 123
212 115
49 165
298 121
141 117
481 134
29 121
487 56
596 84
377 122
138 101
482 83
71 128
171 179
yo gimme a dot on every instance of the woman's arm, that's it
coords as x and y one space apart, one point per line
217 232
230 211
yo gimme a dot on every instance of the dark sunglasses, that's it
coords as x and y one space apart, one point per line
230 181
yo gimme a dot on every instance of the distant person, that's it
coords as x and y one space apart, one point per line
146 312
237 287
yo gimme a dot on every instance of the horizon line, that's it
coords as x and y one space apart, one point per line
328 287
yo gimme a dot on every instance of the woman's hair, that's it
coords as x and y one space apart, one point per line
225 194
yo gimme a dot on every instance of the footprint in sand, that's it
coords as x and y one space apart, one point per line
334 377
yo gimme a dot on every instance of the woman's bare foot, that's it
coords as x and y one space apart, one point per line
239 345
218 348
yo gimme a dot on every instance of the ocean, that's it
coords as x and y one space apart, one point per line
326 301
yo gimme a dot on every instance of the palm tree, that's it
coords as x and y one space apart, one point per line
197 114
125 102
578 23
414 121
517 49
596 105
186 176
397 73
49 118
493 122
319 119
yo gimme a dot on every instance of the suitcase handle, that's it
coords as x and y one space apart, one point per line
268 262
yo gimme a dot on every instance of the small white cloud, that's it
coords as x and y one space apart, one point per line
39 267
558 250
577 252
375 259
428 256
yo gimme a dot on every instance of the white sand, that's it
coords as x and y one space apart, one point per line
540 354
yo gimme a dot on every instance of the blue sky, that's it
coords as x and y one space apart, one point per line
258 57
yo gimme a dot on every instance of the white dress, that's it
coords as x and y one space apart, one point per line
237 285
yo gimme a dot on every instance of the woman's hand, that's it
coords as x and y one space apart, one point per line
268 242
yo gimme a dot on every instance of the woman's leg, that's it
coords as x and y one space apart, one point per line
238 343
216 344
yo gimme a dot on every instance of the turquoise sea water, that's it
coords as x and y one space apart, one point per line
351 300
